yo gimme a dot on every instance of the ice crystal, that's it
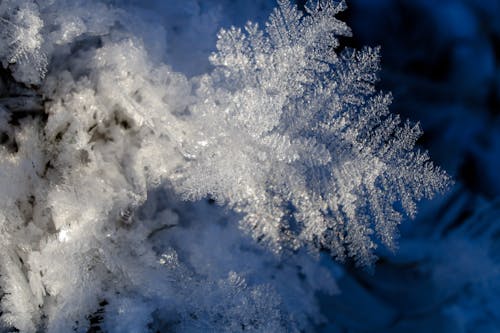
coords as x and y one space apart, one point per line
98 142
293 133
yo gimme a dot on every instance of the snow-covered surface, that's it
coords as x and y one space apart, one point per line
140 114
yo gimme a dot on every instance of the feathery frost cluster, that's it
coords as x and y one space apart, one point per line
100 139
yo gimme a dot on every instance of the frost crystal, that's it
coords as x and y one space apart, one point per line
21 40
99 137
295 135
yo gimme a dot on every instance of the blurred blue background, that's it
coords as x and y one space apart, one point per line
441 60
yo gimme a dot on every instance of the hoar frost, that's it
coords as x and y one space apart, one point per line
285 130
296 137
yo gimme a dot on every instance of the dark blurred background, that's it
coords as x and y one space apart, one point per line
441 61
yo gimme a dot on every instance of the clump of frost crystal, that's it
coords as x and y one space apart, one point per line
295 136
21 40
99 138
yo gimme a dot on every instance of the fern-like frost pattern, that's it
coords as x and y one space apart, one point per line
100 138
294 134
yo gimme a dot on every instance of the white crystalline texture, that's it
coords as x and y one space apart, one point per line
296 137
284 130
21 40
